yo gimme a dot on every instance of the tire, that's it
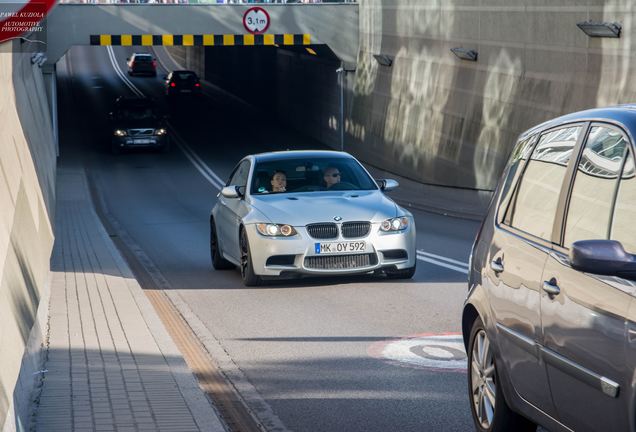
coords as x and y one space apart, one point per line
218 262
247 267
483 388
406 273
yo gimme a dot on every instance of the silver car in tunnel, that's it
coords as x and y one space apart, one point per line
329 217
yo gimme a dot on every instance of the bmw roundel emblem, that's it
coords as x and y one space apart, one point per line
337 218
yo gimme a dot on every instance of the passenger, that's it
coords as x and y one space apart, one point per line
331 177
279 181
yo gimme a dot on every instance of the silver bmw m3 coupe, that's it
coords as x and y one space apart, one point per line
294 213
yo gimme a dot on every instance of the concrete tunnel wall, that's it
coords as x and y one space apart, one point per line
27 202
429 116
438 119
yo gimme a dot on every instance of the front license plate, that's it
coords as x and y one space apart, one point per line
142 141
340 247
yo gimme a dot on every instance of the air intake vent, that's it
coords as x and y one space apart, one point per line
340 262
323 230
355 229
281 260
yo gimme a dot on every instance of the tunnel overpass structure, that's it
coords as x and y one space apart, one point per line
307 25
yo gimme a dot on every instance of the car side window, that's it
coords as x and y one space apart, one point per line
623 224
520 154
538 193
595 185
239 177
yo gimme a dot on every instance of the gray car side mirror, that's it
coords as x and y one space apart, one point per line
230 192
602 257
388 184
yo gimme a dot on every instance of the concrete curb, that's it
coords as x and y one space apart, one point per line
201 408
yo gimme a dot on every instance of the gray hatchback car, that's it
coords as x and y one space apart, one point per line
550 319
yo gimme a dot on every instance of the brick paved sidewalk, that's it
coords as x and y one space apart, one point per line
111 365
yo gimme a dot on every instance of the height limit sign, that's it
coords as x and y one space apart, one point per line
256 20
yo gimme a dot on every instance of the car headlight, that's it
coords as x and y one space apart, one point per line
161 131
395 224
276 230
120 133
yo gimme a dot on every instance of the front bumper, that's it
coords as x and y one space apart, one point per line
389 251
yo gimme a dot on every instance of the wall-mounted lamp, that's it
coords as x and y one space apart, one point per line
465 53
600 29
38 59
383 59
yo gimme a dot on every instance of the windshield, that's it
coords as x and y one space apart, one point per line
143 59
185 76
137 113
310 175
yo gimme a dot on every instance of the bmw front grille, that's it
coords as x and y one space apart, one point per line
355 229
323 230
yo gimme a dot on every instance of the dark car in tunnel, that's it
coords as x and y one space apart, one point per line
549 324
142 64
137 122
181 83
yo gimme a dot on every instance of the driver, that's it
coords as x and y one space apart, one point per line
331 176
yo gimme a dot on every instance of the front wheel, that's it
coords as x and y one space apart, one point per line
489 409
247 267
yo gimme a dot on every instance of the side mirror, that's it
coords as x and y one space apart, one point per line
165 77
231 192
387 184
602 257
127 58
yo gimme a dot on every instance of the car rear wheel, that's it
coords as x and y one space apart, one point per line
218 262
247 268
488 406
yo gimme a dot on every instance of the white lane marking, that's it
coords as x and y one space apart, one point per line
463 270
118 71
216 181
198 163
442 258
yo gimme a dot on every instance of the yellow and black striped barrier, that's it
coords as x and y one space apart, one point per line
200 40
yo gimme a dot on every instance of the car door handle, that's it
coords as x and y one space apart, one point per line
497 265
551 287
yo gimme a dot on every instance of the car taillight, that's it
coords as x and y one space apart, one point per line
173 85
154 64
197 85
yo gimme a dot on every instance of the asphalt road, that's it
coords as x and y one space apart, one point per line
311 354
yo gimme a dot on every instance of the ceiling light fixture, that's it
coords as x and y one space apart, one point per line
600 29
465 53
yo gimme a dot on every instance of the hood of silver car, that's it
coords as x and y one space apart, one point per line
300 209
